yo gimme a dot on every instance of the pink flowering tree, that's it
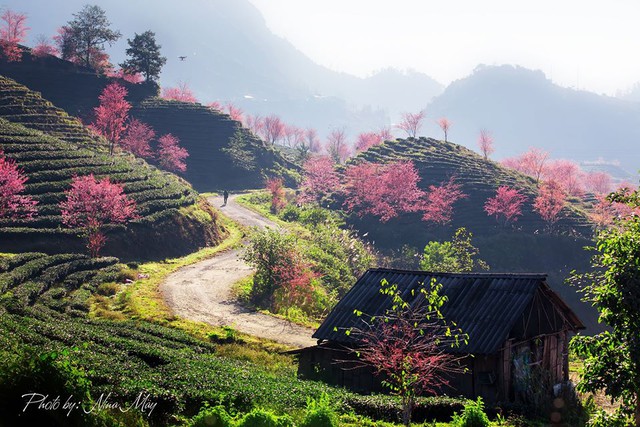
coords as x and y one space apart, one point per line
438 207
13 30
254 123
506 205
13 204
367 140
550 202
234 112
567 174
137 139
275 186
320 180
273 129
598 183
445 125
112 114
532 163
337 146
485 142
383 191
411 123
385 134
171 155
182 93
44 47
91 205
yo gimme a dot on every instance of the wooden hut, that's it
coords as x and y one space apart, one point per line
518 332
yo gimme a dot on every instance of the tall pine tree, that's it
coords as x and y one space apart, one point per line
144 56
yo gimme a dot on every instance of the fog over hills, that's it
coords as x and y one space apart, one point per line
523 108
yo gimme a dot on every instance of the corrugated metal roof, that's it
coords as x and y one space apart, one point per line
485 306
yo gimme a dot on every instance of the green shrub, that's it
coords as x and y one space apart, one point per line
215 416
472 415
264 418
320 413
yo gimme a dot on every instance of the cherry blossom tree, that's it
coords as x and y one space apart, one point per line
567 174
308 144
367 140
485 141
319 181
137 139
532 163
13 30
44 47
215 105
411 123
550 202
598 183
112 114
182 93
234 112
506 205
13 204
445 125
406 345
254 123
383 191
438 207
275 187
385 134
91 204
337 145
171 155
292 136
273 129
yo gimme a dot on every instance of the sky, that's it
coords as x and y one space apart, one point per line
586 44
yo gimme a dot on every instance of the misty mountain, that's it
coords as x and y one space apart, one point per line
231 55
523 108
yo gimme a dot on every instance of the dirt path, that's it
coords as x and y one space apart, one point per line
202 291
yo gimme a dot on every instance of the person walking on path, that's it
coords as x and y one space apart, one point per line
225 195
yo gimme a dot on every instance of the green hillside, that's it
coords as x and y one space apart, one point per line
203 131
51 147
206 134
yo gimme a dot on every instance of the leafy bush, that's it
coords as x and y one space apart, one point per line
320 413
264 418
472 415
215 416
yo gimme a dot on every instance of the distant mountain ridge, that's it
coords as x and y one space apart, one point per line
523 108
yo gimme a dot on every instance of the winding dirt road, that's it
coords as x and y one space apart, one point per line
202 291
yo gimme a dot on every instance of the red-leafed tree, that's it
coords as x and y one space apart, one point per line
445 125
43 47
275 187
137 139
13 204
234 112
13 30
438 207
294 282
411 123
273 129
485 141
406 345
567 174
383 191
598 183
506 205
91 204
320 180
337 146
385 134
550 202
532 163
170 155
182 93
367 140
215 105
112 114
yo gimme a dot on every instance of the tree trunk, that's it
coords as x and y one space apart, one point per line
407 408
637 410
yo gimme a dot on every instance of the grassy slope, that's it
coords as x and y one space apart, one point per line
205 132
51 147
